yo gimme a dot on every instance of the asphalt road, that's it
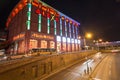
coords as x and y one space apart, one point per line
108 69
79 71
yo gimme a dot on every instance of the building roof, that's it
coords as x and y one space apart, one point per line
23 3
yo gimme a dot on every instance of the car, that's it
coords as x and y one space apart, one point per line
3 57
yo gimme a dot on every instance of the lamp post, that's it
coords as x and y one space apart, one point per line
100 40
97 43
88 36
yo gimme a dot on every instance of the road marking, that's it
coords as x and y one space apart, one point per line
109 72
96 79
88 61
110 66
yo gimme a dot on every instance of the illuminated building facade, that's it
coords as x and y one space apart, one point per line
34 24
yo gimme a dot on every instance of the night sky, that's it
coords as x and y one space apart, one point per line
100 17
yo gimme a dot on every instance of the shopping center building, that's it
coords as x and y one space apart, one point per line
34 24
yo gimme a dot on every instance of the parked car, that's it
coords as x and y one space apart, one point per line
3 57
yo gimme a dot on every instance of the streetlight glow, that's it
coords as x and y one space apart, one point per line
89 35
100 40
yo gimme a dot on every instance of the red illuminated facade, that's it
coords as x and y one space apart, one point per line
34 24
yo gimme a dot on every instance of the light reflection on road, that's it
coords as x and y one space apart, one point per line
79 71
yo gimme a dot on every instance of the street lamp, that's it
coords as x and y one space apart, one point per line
100 40
87 37
97 43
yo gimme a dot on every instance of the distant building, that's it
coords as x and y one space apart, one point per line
117 0
3 36
34 24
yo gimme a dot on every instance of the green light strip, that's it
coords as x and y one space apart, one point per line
29 7
69 29
60 26
76 31
73 31
39 23
55 32
73 28
65 28
28 24
48 25
29 16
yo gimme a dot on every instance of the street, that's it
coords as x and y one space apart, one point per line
79 71
108 69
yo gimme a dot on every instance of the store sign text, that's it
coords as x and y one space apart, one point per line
35 35
18 36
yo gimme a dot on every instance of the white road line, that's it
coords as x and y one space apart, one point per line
110 66
109 72
96 79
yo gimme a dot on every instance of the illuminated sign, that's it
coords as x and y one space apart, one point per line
75 40
72 40
44 8
78 41
42 36
68 40
18 36
38 11
35 4
64 39
58 38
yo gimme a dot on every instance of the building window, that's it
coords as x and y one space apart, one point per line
76 47
52 44
64 46
58 46
72 40
33 43
68 47
43 44
78 41
58 39
68 40
63 39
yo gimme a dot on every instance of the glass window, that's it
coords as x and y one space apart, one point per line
33 43
68 40
58 38
75 40
78 41
72 40
43 44
63 39
52 44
